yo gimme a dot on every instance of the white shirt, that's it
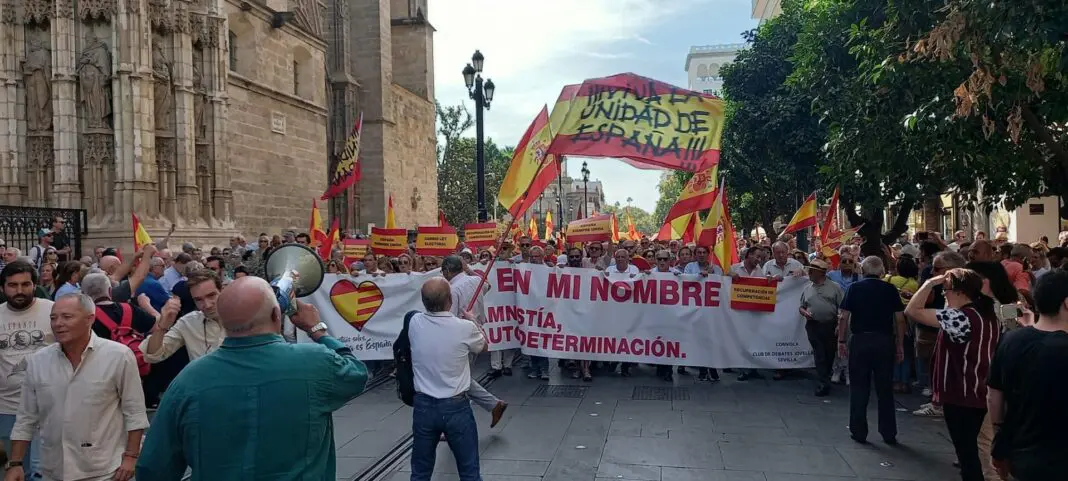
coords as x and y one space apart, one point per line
84 414
740 270
464 288
792 267
614 269
197 333
441 343
170 278
22 333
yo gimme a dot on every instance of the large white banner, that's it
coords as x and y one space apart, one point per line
582 314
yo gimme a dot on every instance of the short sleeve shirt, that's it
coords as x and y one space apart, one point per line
872 304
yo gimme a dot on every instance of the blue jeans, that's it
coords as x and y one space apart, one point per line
453 417
923 372
538 365
903 369
7 422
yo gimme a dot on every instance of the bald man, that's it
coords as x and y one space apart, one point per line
258 404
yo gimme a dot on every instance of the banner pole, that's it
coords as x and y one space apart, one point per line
504 234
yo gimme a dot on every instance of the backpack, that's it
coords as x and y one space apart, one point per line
402 358
125 334
37 256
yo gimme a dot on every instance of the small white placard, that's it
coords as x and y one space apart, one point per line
278 123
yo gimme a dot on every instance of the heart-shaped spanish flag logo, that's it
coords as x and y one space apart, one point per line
356 303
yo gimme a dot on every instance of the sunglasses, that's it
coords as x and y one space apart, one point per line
574 257
663 258
524 245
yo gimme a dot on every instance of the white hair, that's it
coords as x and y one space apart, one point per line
872 266
84 301
96 286
157 261
14 250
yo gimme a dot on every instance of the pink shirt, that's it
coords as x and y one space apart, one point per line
1019 277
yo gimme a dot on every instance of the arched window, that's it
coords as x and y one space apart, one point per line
702 70
302 74
232 49
713 70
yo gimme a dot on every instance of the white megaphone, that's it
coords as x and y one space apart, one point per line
293 270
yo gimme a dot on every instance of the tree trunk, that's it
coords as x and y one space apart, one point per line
1060 153
872 221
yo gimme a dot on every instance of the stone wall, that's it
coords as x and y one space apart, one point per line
277 123
411 173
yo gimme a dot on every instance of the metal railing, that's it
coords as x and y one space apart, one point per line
19 226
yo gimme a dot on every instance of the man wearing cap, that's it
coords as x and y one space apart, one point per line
819 307
37 252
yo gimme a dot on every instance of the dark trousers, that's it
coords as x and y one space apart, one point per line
964 424
453 417
823 336
871 359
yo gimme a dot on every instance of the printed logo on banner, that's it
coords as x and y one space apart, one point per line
357 304
754 294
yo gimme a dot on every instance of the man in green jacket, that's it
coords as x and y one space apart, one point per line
258 407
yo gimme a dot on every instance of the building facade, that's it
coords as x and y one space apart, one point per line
765 10
703 64
215 116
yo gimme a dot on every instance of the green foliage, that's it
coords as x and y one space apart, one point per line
771 145
645 222
669 187
456 168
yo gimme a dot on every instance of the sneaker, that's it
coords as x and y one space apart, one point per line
532 375
928 410
544 376
926 392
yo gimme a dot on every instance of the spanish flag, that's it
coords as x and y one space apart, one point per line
532 169
532 230
615 229
328 245
141 237
562 106
549 225
391 217
692 232
315 227
718 233
697 195
675 229
632 230
829 218
805 216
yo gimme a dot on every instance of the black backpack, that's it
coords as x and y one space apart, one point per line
402 358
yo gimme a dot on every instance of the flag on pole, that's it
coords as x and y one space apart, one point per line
632 230
532 230
328 245
141 237
697 195
829 218
805 216
531 170
718 233
391 217
548 225
441 219
347 170
315 227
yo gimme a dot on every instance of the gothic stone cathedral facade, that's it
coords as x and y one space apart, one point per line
217 116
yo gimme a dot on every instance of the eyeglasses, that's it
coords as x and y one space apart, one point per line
524 245
574 257
663 258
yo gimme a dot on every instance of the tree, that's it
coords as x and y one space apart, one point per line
669 187
772 142
456 167
645 222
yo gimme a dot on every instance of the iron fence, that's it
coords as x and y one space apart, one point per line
19 226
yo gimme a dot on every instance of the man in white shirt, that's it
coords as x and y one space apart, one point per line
463 288
750 265
782 265
622 265
199 331
701 264
441 344
173 274
25 327
83 397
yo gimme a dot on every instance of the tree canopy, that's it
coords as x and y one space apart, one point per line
456 167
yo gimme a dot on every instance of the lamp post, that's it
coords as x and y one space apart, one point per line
585 190
482 95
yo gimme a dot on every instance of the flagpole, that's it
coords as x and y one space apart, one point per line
504 234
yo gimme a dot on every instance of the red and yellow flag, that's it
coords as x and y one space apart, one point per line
632 230
697 195
829 226
141 237
615 229
391 217
441 219
477 236
532 169
652 123
315 227
805 216
549 225
436 241
389 242
674 229
347 170
532 230
328 244
562 106
718 233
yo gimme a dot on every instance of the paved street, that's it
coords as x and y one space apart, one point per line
644 429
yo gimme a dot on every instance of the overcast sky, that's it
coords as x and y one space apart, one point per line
533 48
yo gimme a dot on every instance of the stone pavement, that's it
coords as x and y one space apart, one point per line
644 429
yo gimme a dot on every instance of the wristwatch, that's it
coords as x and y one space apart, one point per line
316 328
12 464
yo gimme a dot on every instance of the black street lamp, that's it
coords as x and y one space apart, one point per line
482 95
585 190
